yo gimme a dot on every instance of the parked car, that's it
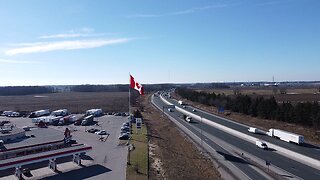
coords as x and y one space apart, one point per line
125 128
170 110
93 130
193 110
26 128
124 137
126 124
102 132
26 171
125 131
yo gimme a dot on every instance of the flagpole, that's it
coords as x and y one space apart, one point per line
130 119
129 92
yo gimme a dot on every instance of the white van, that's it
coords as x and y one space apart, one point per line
189 119
261 144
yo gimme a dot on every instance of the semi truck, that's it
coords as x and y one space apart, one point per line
67 120
47 120
39 113
87 120
60 112
286 136
256 130
10 114
94 112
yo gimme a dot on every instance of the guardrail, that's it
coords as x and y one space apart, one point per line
291 154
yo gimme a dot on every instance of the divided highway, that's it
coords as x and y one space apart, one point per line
291 167
308 150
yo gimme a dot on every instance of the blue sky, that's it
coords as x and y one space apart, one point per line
100 42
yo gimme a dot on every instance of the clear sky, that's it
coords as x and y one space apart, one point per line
47 42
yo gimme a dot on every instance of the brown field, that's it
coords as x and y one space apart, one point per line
75 102
172 155
293 94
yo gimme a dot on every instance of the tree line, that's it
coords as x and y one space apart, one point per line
25 90
100 88
306 114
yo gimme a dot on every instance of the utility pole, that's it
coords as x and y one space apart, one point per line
201 131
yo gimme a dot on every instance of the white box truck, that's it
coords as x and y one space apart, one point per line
286 136
256 130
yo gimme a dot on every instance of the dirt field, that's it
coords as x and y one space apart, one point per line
75 102
172 155
308 133
293 94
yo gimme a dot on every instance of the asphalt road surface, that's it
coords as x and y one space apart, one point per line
296 168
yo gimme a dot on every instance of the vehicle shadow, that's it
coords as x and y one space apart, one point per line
271 149
232 158
82 173
311 146
86 157
194 122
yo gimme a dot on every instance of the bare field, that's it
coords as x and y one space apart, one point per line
75 102
293 94
172 155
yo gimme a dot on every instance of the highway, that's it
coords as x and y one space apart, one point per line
306 149
293 167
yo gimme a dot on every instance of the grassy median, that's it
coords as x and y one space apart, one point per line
138 159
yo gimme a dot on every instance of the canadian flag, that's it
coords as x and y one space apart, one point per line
135 85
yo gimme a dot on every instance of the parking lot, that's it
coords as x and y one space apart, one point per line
107 160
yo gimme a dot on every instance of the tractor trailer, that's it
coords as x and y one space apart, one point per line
286 136
87 120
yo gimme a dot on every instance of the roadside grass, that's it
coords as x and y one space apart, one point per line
137 167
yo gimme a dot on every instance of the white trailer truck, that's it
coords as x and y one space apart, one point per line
60 112
286 136
39 113
94 112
